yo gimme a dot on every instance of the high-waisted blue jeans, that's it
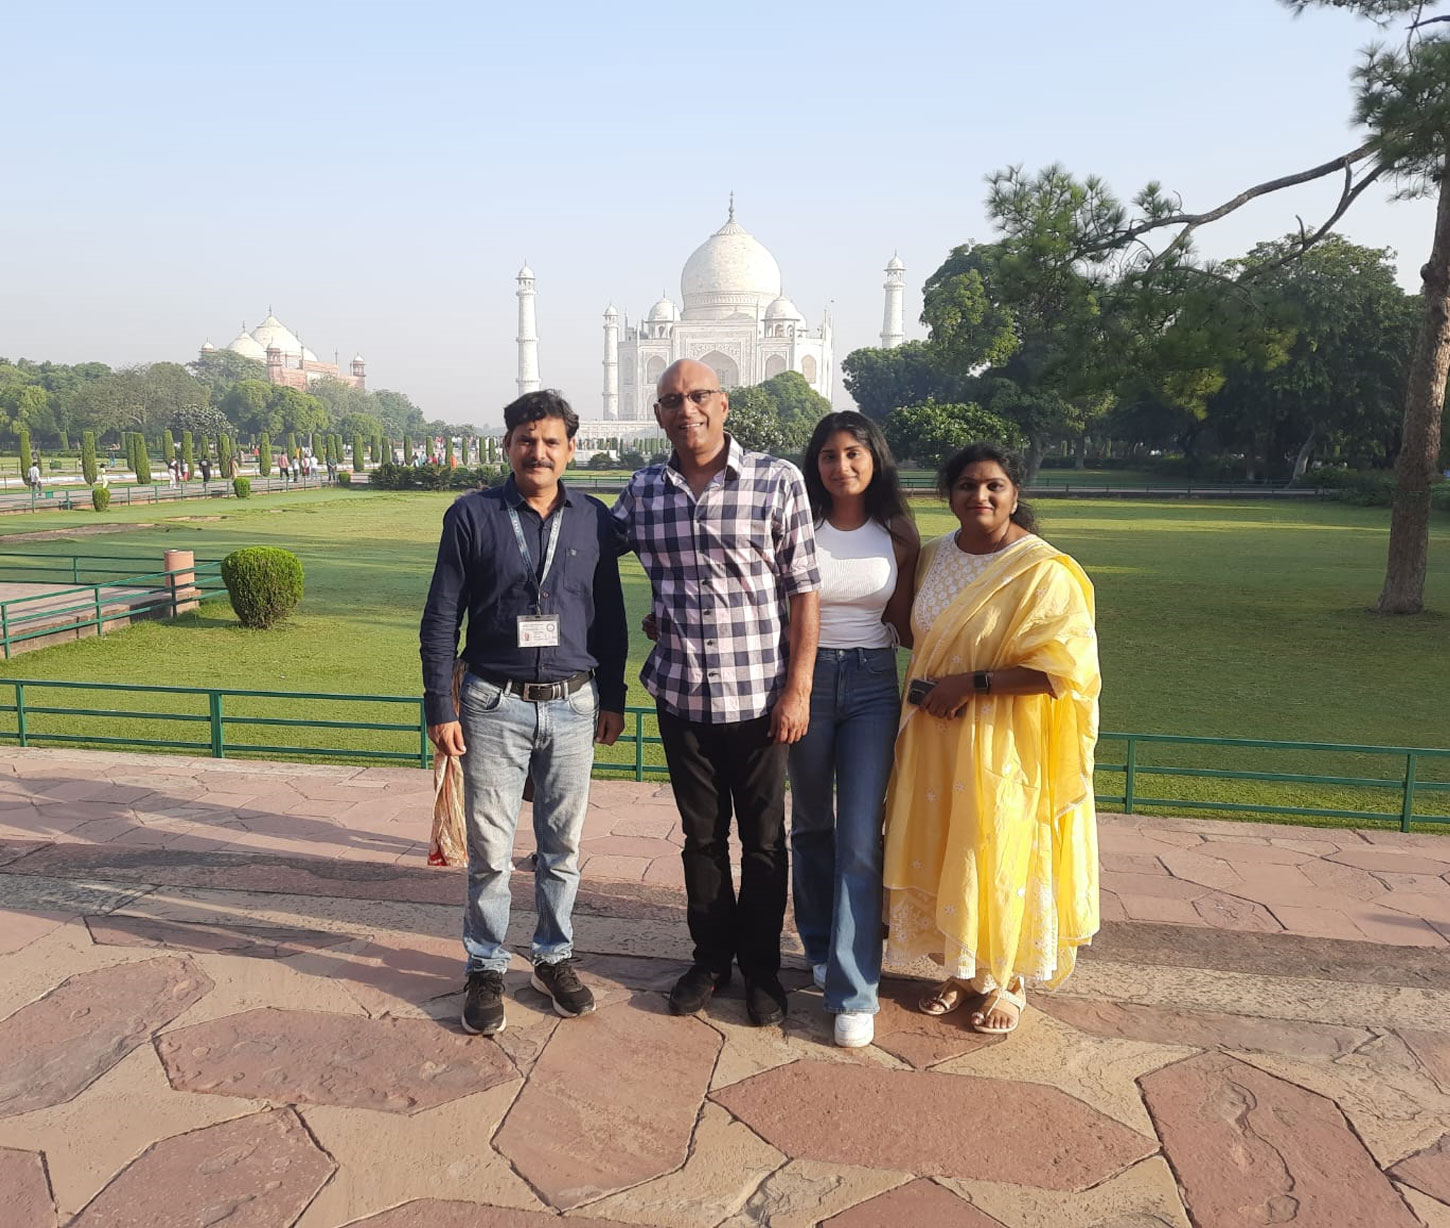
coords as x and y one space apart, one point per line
838 775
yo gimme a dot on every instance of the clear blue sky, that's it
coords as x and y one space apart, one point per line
377 173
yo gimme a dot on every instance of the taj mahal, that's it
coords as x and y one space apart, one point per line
732 316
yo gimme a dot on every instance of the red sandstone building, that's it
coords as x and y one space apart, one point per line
288 361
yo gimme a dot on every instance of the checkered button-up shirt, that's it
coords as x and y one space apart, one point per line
722 568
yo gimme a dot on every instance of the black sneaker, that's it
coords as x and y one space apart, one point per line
483 1005
764 1001
559 980
695 988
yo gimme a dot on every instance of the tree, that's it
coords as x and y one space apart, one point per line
247 404
397 413
224 454
200 420
264 455
219 370
358 463
88 457
26 459
188 454
1402 99
882 380
930 432
143 460
755 425
1338 378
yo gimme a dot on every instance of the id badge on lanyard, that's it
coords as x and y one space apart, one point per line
537 630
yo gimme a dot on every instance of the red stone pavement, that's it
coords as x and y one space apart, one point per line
229 991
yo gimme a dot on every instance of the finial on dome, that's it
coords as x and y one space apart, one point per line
731 218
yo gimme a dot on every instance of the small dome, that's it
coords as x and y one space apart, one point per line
610 313
526 273
246 345
662 312
783 309
271 333
308 355
895 264
357 358
207 347
731 271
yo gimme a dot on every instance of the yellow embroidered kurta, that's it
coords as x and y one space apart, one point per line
991 834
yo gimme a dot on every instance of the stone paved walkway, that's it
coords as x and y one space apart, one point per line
228 996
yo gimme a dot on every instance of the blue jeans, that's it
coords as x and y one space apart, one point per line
836 841
509 738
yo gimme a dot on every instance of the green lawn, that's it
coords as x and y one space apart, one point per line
1244 620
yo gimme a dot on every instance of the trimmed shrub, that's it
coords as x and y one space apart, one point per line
143 461
188 452
26 460
100 498
88 458
344 478
242 487
224 453
358 464
264 455
263 582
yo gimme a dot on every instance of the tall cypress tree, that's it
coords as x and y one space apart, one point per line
88 457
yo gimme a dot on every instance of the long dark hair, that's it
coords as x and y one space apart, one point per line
1011 465
884 501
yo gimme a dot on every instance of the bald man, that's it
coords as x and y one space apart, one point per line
726 538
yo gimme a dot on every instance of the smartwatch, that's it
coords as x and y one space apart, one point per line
981 681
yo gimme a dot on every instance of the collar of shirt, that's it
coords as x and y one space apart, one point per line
734 462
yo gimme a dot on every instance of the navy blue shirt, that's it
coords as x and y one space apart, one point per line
480 571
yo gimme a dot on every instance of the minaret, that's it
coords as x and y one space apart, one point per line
528 337
611 363
891 334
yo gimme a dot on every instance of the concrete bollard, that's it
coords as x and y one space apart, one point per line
181 579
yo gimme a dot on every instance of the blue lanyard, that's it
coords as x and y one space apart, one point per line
535 579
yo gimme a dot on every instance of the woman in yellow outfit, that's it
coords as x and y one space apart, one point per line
991 837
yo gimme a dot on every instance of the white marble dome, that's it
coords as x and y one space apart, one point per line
663 312
271 333
783 309
246 345
731 272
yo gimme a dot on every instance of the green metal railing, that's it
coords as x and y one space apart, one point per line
229 722
96 605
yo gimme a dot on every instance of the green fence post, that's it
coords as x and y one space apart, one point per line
639 745
20 713
100 622
1130 775
75 569
423 743
5 627
1407 810
218 743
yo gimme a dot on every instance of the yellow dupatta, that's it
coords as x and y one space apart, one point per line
991 833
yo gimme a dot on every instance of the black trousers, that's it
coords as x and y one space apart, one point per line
714 768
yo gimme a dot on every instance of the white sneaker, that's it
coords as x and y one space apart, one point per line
855 1029
818 975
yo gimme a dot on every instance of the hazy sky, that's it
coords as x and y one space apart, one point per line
376 173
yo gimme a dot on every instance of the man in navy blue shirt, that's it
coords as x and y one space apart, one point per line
534 567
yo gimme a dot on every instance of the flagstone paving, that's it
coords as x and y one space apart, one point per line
229 995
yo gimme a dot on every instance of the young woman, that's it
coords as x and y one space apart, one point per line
991 837
866 546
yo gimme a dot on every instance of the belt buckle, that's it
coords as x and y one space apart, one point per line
538 692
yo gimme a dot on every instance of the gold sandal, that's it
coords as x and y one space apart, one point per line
992 1001
946 997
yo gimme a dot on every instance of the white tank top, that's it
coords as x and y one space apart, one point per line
858 576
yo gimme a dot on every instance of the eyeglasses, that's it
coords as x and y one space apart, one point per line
671 401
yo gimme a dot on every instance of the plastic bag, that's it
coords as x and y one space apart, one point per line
448 845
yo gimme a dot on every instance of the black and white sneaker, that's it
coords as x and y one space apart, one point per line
560 982
483 1004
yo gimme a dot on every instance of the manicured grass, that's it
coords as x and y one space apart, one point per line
1244 620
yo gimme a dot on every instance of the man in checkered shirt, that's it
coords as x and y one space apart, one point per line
727 540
